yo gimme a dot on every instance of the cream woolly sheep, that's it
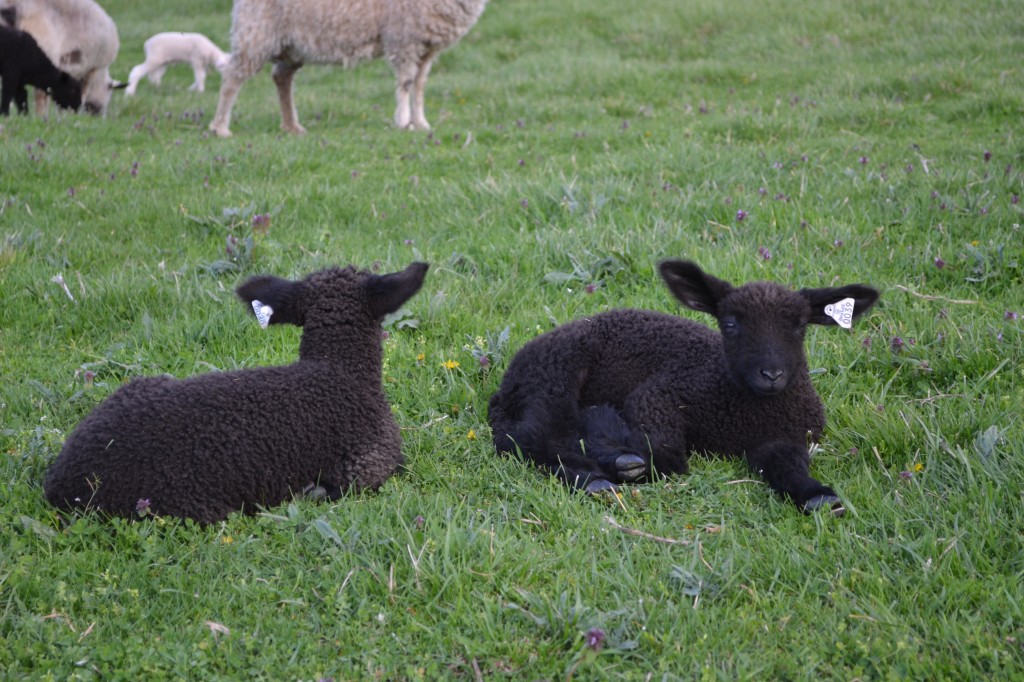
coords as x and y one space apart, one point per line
614 397
78 37
164 49
409 33
209 445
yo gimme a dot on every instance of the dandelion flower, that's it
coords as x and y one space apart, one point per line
450 364
471 435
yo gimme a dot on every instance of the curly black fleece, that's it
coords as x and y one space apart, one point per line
649 384
209 445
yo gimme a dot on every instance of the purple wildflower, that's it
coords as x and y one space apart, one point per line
935 194
261 222
525 203
595 639
1015 199
590 288
866 342
419 521
939 263
910 168
1011 315
987 155
764 253
485 362
837 243
863 160
762 191
89 377
71 191
142 506
896 344
741 215
905 475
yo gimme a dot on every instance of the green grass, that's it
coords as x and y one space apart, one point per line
575 143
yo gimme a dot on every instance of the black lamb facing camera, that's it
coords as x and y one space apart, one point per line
627 394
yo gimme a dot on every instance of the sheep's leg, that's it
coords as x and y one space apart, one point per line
156 74
607 439
42 103
418 117
548 437
199 71
406 76
284 74
134 76
229 87
656 433
7 94
784 466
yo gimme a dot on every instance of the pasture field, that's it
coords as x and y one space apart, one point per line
575 144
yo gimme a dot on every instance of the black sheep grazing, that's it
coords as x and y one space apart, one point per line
23 63
611 398
209 445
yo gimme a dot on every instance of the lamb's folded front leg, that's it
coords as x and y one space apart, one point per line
784 466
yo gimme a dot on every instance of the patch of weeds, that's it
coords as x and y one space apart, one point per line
244 230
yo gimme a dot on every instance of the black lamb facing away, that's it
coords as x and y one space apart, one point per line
213 444
627 393
23 63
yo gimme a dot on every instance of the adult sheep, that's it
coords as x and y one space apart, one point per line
408 33
78 37
216 443
621 395
23 63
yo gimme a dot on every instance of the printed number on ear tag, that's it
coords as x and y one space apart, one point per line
841 312
263 313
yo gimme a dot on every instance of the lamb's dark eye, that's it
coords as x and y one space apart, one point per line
729 326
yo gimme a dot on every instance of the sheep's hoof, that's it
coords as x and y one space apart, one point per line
830 502
630 467
597 486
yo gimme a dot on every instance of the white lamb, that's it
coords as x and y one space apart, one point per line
409 33
165 49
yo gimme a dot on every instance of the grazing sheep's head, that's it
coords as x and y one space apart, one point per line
763 323
331 300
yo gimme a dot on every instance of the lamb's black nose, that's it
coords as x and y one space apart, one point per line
772 375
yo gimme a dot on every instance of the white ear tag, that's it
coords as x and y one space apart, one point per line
263 313
841 312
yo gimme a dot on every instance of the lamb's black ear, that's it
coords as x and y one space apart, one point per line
828 307
386 293
692 286
284 298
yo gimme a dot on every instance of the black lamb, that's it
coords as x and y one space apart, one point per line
23 63
627 393
213 444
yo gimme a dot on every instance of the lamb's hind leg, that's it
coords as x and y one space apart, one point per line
199 71
607 440
284 75
784 466
549 438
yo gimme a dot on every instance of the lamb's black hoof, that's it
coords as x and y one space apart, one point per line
830 502
312 491
630 467
596 486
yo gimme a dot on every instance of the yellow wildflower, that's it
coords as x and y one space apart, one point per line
450 364
918 467
471 435
421 357
227 539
